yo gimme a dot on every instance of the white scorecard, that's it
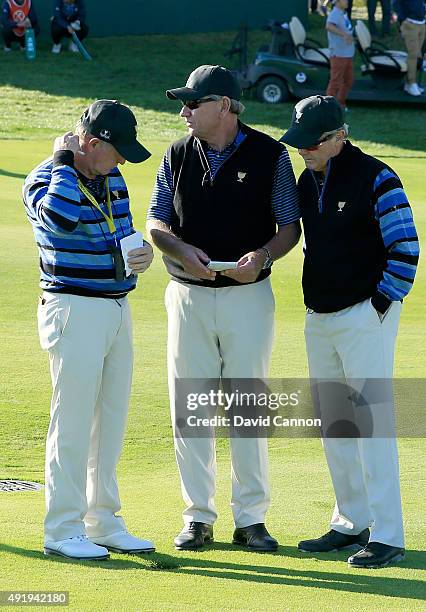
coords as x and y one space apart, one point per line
134 241
219 266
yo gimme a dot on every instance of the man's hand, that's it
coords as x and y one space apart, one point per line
26 23
67 142
248 268
192 258
140 259
70 29
194 262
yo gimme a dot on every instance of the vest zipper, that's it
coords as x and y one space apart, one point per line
321 195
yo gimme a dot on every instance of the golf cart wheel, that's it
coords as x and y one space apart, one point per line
272 90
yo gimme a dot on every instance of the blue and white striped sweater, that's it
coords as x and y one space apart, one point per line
399 235
72 235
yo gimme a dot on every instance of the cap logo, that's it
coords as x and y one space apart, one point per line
105 134
241 176
299 112
341 206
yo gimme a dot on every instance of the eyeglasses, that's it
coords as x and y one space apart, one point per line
315 147
193 104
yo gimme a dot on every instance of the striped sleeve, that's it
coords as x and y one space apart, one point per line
163 193
284 198
53 201
399 235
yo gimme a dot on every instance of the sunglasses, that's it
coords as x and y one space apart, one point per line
315 147
193 104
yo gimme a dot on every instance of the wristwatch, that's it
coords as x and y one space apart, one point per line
268 261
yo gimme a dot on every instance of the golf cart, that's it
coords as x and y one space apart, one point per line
295 66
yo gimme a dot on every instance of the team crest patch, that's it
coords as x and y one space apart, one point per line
241 176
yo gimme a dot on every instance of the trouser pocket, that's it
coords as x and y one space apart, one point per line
52 316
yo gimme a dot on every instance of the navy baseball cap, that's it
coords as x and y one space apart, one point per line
115 123
312 117
207 80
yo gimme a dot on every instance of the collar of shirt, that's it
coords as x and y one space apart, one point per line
229 148
217 158
96 186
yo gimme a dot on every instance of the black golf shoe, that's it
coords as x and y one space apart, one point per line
193 536
376 555
255 537
334 541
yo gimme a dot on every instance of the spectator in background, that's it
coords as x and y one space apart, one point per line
342 50
411 16
16 17
322 9
386 16
68 16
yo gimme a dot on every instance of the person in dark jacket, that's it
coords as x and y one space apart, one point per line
361 253
219 196
16 17
68 16
411 17
386 16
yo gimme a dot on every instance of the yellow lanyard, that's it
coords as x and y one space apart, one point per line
108 217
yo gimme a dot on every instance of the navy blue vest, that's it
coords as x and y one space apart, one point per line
345 255
230 215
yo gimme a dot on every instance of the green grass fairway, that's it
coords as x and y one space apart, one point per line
37 103
221 577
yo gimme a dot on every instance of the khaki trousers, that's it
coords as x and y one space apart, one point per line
413 35
212 333
90 350
354 344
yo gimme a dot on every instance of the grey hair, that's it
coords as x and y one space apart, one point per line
236 107
80 130
83 133
345 128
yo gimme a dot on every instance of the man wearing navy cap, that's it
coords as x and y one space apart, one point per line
78 205
361 253
220 194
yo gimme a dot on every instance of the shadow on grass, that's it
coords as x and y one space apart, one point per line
353 581
12 174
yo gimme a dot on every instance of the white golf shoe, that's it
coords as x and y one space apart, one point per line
78 547
73 47
57 48
412 89
124 542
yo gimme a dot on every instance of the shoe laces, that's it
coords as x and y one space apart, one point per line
194 526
